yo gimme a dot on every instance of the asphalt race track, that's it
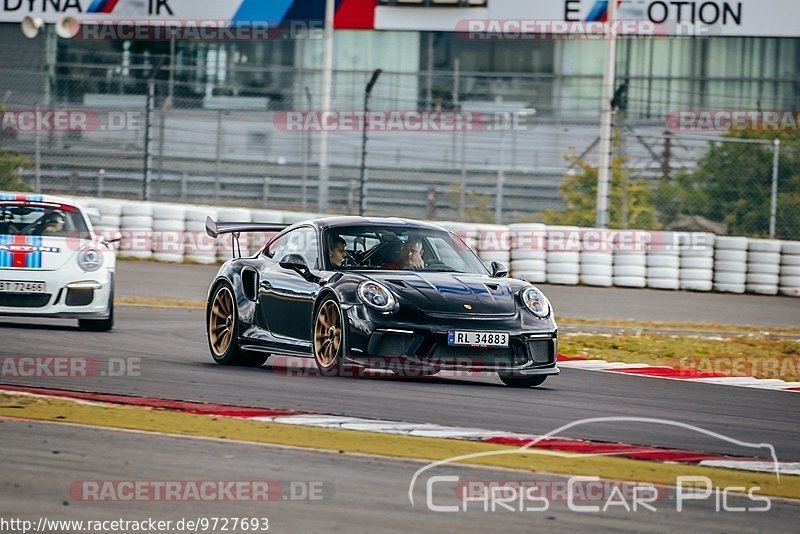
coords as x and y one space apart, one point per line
174 363
191 282
359 494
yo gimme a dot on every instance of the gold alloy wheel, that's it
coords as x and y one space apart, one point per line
220 326
327 334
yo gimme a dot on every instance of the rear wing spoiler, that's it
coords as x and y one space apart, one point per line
215 229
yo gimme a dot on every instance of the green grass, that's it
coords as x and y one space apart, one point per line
746 355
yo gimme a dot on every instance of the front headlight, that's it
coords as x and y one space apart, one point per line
535 301
376 296
90 259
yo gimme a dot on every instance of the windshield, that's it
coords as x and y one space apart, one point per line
41 219
353 248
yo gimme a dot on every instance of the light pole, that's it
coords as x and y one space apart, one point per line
327 77
773 207
66 28
306 155
362 195
609 75
148 120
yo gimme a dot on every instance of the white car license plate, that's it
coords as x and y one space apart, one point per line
477 339
8 286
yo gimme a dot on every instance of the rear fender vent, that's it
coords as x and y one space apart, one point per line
493 287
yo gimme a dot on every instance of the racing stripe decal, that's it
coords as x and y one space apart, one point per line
5 257
35 259
25 259
21 197
19 260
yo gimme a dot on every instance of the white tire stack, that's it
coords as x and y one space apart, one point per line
730 264
199 246
494 244
663 261
225 242
763 266
168 229
259 239
696 260
630 258
528 253
137 230
108 227
596 258
790 269
563 255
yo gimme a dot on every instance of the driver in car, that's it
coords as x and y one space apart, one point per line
337 250
410 256
53 224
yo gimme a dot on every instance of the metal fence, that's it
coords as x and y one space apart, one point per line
227 143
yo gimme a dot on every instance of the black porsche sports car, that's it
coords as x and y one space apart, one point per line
361 293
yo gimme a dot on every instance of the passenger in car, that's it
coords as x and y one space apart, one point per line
410 256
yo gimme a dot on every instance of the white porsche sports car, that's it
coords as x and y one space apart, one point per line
52 264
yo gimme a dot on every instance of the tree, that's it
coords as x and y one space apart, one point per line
9 177
732 183
579 193
477 207
10 162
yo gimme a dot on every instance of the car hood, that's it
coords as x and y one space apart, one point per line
44 253
451 293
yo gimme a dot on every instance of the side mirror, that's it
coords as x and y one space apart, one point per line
297 263
499 270
294 262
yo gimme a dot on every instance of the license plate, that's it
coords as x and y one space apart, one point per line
477 339
7 286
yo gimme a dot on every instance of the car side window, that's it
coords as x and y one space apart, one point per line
276 249
303 241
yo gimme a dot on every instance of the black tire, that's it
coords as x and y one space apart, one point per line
328 345
100 325
222 316
519 381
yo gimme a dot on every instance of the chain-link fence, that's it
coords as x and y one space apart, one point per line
728 183
201 128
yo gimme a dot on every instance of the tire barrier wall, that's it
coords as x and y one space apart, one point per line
566 255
